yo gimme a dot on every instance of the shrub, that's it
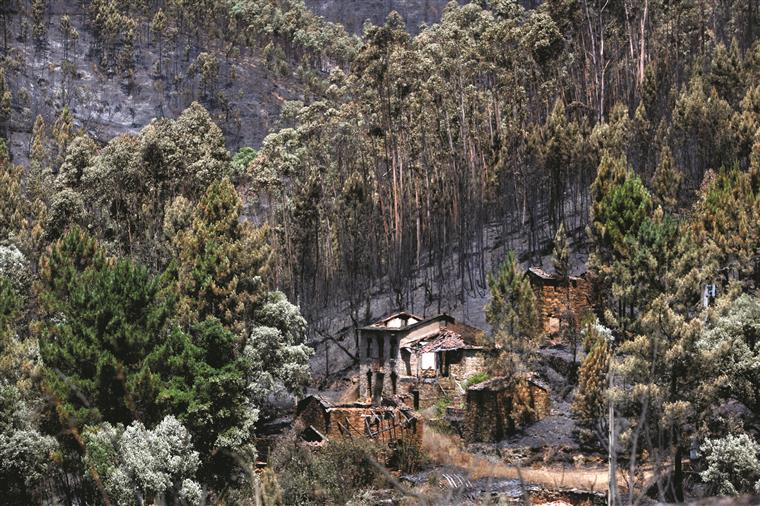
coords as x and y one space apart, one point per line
478 377
330 475
733 467
441 405
407 456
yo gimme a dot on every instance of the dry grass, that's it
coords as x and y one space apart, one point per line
447 450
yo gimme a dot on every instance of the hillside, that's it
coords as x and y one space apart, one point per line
263 252
352 14
115 69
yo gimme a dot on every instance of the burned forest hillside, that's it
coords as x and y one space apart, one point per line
250 247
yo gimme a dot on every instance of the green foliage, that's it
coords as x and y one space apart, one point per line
441 405
13 205
200 377
275 352
243 158
26 455
332 475
10 305
620 212
590 401
667 181
121 191
512 311
474 379
220 261
726 223
561 254
731 354
733 466
104 318
137 465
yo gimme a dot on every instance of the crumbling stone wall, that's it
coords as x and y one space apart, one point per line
470 362
312 412
487 416
389 424
393 425
498 407
554 301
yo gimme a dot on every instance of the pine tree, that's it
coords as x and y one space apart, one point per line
37 152
62 134
726 72
158 26
103 318
666 182
39 22
590 403
221 261
6 98
561 255
13 204
512 312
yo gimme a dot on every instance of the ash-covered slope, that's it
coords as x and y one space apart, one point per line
144 77
353 13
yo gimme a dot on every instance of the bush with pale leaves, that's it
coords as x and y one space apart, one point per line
733 466
138 465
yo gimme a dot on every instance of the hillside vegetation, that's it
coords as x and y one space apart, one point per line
158 278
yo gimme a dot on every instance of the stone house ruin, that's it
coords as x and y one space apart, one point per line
419 361
498 407
318 420
556 302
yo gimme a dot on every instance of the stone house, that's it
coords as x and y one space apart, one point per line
498 407
556 302
317 420
419 361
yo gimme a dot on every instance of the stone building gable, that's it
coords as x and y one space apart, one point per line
500 406
556 302
382 424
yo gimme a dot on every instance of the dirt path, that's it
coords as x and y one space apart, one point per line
447 451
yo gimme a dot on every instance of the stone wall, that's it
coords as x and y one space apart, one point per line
486 416
389 424
472 362
429 388
391 427
312 412
383 363
554 301
493 412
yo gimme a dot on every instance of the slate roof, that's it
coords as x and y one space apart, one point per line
539 272
405 315
448 340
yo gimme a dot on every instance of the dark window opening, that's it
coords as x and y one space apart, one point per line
380 348
416 399
443 365
377 394
454 357
394 347
312 435
369 347
369 382
406 356
394 379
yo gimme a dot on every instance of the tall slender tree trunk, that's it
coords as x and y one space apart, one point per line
612 493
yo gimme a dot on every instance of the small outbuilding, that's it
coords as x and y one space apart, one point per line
557 300
317 420
498 407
